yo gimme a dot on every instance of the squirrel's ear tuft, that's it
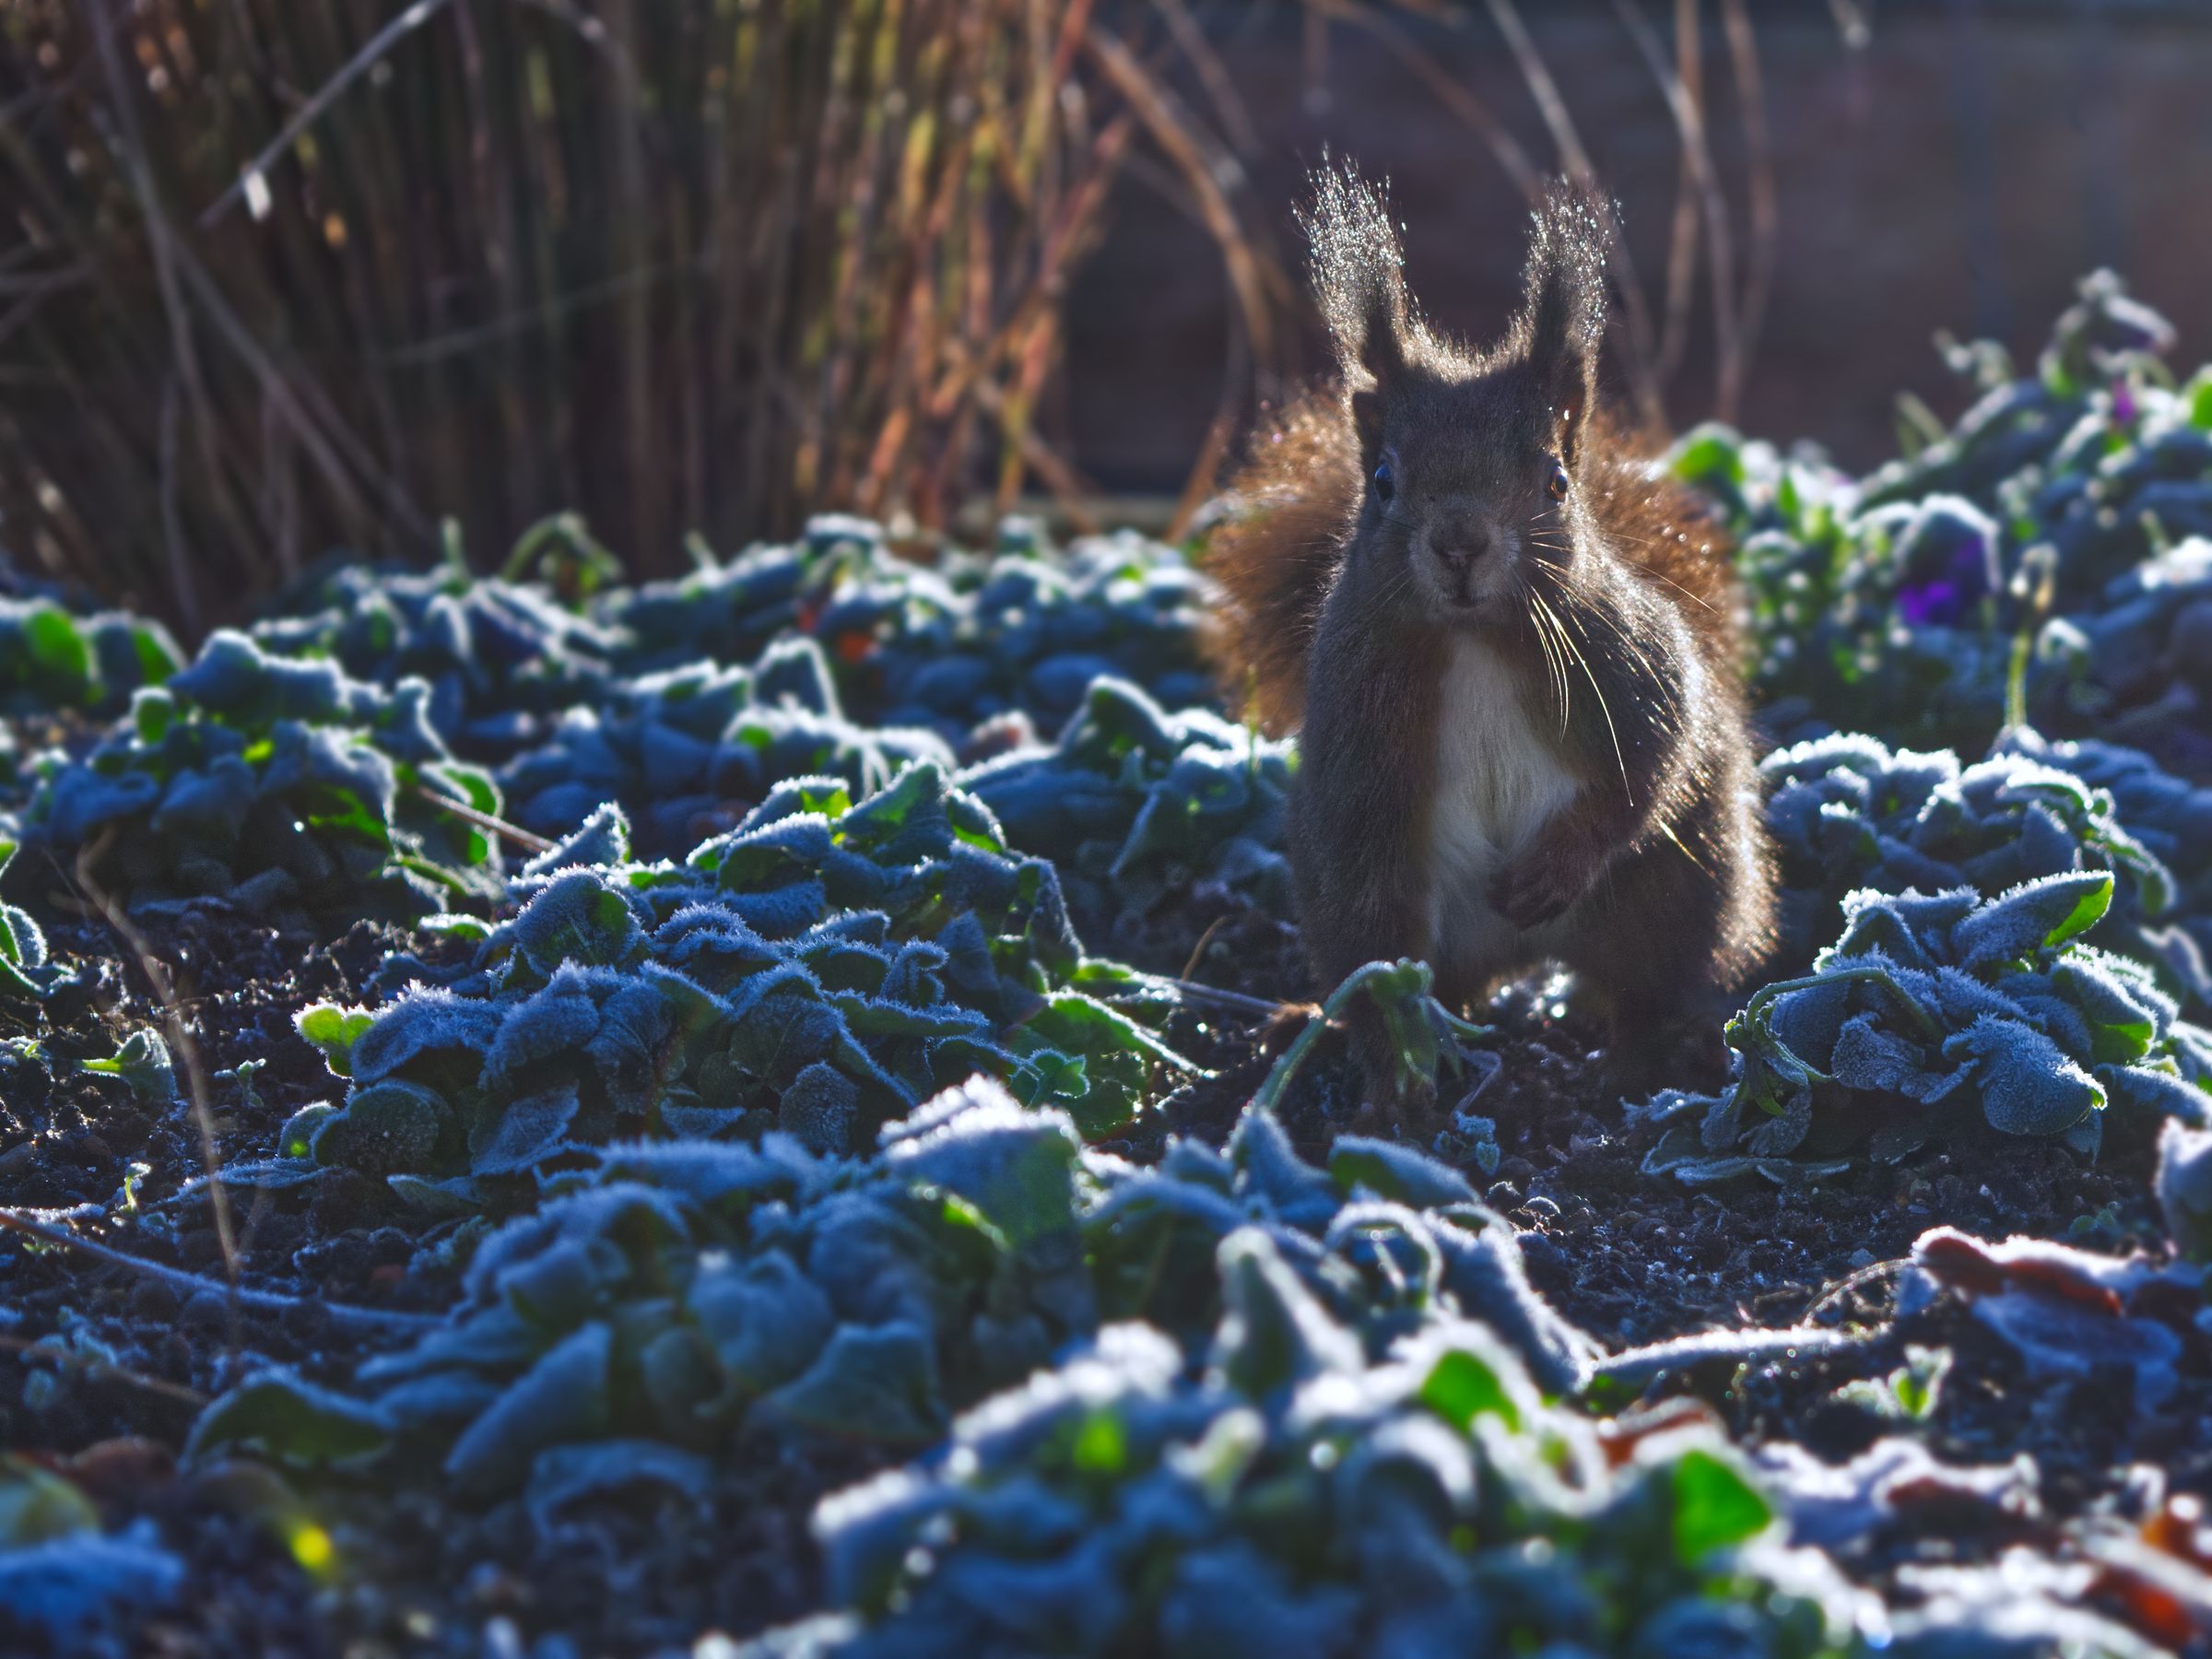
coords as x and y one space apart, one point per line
1357 273
1564 317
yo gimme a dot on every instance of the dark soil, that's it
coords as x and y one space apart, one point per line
1631 1258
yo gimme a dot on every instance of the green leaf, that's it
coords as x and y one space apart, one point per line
157 656
1461 1387
37 1504
59 647
2034 915
153 711
1101 1445
1710 455
447 924
297 1139
290 1418
1715 1506
2197 395
334 1028
143 1063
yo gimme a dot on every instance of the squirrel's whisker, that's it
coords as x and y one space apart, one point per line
1553 659
1627 637
1603 707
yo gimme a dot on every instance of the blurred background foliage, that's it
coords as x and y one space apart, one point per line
279 277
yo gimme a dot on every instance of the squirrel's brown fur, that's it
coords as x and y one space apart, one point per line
1295 500
1512 649
1296 497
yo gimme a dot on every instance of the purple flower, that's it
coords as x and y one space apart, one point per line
1925 603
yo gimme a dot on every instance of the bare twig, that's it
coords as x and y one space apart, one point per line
1192 41
1682 251
1512 160
1258 1006
1203 168
740 250
1635 312
1844 1286
181 1039
270 1301
254 173
529 841
173 528
1766 214
1697 155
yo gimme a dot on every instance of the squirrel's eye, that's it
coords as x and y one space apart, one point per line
1386 485
1556 486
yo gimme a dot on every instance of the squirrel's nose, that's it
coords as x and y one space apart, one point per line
1464 549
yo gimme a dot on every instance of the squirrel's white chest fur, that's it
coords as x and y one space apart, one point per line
1497 782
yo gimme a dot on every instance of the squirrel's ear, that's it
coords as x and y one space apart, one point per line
1563 319
1367 420
1358 275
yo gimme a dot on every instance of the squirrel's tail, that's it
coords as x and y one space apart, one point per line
1276 552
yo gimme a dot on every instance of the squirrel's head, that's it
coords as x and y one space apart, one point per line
1471 458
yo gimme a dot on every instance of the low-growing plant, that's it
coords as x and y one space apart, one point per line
674 1292
22 944
52 658
2138 668
282 789
502 658
141 1064
2171 818
1934 1015
942 646
1135 806
689 751
1300 1495
1848 813
2057 513
822 968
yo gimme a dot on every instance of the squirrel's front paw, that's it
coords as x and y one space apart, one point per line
1533 888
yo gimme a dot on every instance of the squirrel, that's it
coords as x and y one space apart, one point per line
1512 654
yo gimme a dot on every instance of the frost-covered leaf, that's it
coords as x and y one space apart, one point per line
385 1129
2029 1085
2032 916
869 1382
2184 1189
562 1398
576 918
528 1132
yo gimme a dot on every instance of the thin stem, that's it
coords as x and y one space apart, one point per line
271 1301
1278 1079
181 1038
529 841
414 17
1880 976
